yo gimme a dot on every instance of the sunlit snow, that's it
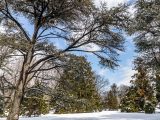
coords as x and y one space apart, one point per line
105 115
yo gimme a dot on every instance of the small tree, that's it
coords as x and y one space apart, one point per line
122 89
128 102
111 99
149 107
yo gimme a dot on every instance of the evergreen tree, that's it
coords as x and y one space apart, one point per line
140 92
35 102
4 55
157 81
1 105
77 89
111 99
122 89
128 102
147 25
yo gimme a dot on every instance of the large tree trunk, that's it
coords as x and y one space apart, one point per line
20 87
15 105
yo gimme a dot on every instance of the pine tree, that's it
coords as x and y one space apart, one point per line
77 89
111 99
157 82
140 92
128 102
122 89
147 25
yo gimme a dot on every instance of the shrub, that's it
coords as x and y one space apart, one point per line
149 108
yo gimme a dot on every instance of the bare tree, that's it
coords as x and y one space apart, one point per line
75 22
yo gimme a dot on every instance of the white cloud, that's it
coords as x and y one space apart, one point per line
91 47
102 72
127 73
114 3
122 75
110 3
132 10
2 29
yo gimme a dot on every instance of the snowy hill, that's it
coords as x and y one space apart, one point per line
105 115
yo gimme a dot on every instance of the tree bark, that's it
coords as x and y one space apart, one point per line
20 87
15 106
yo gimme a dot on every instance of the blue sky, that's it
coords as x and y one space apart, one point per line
122 74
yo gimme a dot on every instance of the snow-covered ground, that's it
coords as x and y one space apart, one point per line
105 115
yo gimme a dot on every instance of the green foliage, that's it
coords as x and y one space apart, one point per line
149 108
147 25
35 102
111 99
157 81
128 102
34 106
141 90
122 89
1 106
76 89
4 56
